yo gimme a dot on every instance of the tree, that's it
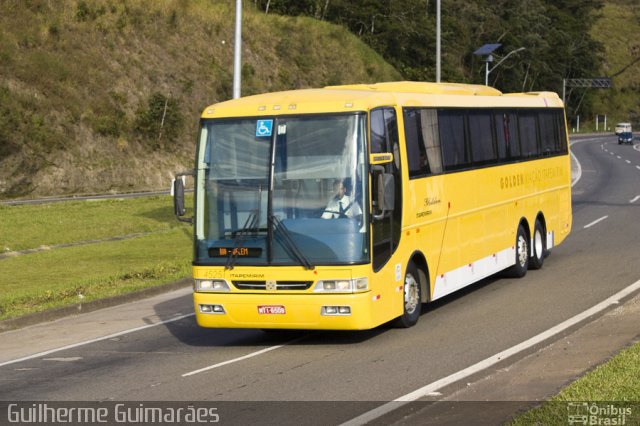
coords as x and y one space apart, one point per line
554 33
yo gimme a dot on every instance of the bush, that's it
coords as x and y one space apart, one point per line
160 121
112 124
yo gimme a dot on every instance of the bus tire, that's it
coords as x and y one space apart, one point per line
411 299
538 244
519 270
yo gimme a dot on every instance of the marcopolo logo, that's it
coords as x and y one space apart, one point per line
592 414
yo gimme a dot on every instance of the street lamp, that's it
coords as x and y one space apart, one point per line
237 51
487 52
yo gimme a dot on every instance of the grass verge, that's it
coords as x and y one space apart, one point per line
31 226
65 276
608 395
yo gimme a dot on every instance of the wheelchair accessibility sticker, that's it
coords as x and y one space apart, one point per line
264 128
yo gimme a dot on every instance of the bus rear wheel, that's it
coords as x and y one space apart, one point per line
538 243
412 299
519 270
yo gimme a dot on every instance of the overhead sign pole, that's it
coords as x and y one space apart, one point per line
237 51
589 83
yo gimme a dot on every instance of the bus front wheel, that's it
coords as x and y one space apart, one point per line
412 299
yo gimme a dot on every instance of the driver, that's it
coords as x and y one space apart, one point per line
341 205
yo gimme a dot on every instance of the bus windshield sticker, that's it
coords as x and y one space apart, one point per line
264 128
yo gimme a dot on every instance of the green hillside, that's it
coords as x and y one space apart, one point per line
84 84
618 29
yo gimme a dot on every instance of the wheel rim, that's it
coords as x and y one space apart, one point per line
411 294
522 250
538 244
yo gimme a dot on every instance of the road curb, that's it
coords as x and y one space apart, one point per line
78 308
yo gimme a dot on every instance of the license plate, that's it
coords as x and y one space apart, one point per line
271 310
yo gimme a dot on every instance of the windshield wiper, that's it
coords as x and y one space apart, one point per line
285 237
250 225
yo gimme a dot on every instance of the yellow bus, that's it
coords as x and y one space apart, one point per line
350 206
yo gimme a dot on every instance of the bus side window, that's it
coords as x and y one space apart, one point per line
548 133
528 134
455 152
481 135
423 142
416 154
562 132
378 142
507 136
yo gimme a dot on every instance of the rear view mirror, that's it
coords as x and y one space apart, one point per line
383 192
178 197
177 190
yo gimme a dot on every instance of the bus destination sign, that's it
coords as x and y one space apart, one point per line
235 251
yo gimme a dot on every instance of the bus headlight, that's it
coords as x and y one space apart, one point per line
342 286
211 285
212 309
335 311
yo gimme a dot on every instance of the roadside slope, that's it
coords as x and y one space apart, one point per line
617 30
84 84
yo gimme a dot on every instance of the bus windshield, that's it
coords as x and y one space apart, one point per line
282 191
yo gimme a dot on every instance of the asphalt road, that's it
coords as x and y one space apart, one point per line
177 361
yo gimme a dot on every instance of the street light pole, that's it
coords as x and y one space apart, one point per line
438 46
486 69
490 59
237 51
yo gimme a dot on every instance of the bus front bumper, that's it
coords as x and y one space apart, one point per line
286 311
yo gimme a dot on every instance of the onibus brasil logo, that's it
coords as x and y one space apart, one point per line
591 414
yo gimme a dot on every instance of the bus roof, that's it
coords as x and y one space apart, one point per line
363 97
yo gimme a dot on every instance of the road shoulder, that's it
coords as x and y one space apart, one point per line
496 395
73 329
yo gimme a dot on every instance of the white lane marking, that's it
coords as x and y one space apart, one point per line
585 140
251 355
69 359
628 162
637 147
578 165
636 198
638 167
488 362
619 157
579 171
99 339
595 221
